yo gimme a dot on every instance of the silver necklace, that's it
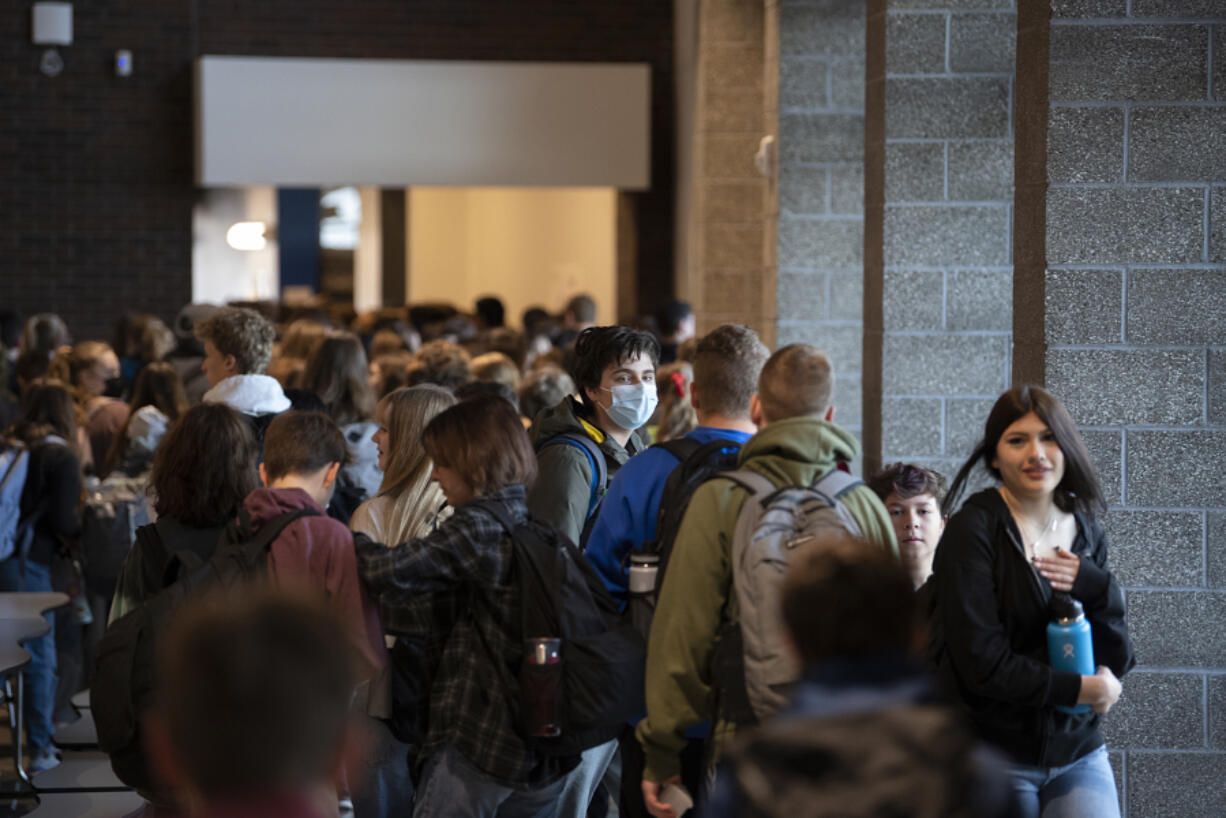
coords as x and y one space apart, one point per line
1027 526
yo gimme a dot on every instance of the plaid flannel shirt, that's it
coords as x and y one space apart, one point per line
475 695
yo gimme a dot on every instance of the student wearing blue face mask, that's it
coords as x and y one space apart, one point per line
584 440
580 445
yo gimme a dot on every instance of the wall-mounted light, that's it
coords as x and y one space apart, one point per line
248 235
51 24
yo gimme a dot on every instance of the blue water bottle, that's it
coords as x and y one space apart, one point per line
1069 646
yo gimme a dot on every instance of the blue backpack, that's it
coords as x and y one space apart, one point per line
17 534
600 473
14 465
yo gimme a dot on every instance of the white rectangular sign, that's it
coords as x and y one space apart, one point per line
294 122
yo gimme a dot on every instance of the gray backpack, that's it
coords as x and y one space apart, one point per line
753 666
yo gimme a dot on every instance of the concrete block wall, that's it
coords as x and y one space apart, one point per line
1136 334
947 287
821 187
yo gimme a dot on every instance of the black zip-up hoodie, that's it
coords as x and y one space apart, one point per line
991 615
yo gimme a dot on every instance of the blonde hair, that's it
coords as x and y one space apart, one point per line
404 413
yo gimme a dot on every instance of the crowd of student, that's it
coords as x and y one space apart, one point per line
399 466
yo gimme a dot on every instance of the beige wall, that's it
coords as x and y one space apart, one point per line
526 245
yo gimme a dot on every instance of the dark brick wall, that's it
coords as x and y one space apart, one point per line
96 172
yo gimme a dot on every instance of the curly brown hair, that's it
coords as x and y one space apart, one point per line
205 466
243 333
442 363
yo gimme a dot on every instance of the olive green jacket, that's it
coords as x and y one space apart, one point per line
697 593
563 487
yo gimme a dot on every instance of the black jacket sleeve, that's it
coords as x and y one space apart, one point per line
62 486
1103 601
976 640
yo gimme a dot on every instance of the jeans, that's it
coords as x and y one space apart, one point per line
39 702
582 781
1085 787
386 788
452 787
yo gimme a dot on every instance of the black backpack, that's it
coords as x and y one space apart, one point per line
123 681
603 657
699 463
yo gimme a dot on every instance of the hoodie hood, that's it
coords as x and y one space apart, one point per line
263 504
797 450
560 419
146 428
250 394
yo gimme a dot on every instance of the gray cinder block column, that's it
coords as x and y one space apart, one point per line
1134 319
948 198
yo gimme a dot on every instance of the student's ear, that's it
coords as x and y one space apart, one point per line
163 761
264 476
231 364
756 415
830 414
694 399
330 474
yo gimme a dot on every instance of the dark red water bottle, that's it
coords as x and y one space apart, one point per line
541 687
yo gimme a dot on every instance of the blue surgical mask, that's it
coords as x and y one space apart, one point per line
633 404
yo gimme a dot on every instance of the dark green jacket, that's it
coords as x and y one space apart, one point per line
563 486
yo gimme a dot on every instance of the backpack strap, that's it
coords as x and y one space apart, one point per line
500 513
681 448
20 455
595 459
692 452
759 486
836 482
258 545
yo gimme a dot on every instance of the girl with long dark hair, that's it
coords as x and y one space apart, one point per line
1002 558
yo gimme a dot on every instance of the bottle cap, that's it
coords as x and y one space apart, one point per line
644 558
1065 609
